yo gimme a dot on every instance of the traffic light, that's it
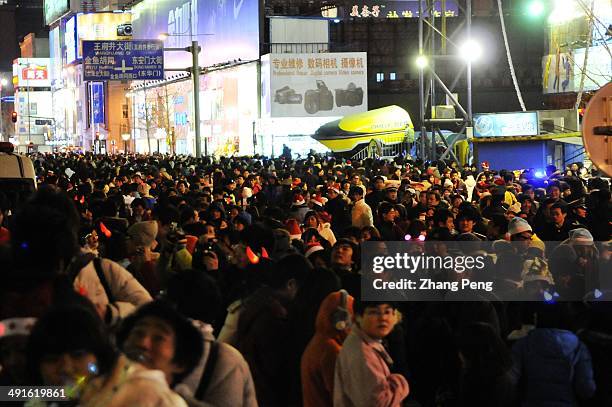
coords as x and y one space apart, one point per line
14 117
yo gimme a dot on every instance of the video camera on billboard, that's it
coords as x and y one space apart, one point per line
286 95
124 30
319 99
351 96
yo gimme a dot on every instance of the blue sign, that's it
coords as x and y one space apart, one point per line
123 60
506 124
97 102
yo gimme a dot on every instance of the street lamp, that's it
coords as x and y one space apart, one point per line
3 83
125 137
421 61
470 50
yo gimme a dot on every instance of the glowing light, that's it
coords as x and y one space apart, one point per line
535 8
407 237
163 36
598 293
470 51
421 61
540 174
564 11
4 82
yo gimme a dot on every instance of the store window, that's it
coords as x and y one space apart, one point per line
125 111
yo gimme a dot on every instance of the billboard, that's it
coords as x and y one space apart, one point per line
226 30
506 124
102 26
599 67
54 9
55 52
31 73
309 85
399 9
70 39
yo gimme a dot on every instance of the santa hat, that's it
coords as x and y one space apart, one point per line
312 249
298 199
16 326
325 217
335 188
293 227
318 201
296 182
518 225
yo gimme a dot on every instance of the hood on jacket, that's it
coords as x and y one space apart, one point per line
324 325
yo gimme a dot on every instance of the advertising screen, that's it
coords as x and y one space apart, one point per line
315 85
55 52
54 9
506 124
71 40
225 30
102 26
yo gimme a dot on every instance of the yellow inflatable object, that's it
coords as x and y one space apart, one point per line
389 125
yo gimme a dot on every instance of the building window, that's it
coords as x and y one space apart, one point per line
380 76
125 111
392 76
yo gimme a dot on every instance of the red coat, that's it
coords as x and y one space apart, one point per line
319 358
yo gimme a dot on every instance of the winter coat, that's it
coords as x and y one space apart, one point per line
340 215
319 358
231 383
361 215
362 376
553 368
127 292
263 340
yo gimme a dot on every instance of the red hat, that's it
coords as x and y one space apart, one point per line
499 181
335 188
317 200
298 199
293 227
296 182
325 217
484 164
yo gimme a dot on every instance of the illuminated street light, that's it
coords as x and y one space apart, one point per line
470 51
125 137
535 8
421 61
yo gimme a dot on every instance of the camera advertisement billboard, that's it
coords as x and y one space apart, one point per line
315 85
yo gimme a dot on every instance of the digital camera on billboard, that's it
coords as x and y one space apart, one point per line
318 99
286 95
124 30
351 96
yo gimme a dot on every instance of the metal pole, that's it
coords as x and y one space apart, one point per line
432 51
2 115
469 63
195 74
421 85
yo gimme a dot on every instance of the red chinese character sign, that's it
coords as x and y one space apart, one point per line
31 72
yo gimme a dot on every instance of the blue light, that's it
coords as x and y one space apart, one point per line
598 293
540 174
336 20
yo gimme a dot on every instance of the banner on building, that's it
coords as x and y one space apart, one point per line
506 124
96 108
330 84
226 30
31 73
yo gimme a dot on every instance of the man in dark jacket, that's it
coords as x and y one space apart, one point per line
263 336
337 208
558 230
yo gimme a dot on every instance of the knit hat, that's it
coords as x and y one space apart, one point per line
448 183
143 233
580 236
293 227
298 199
518 225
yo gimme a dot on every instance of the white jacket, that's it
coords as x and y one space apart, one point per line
361 215
128 292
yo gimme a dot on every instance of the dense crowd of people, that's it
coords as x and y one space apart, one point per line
157 280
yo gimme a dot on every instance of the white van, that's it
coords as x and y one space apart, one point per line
17 176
